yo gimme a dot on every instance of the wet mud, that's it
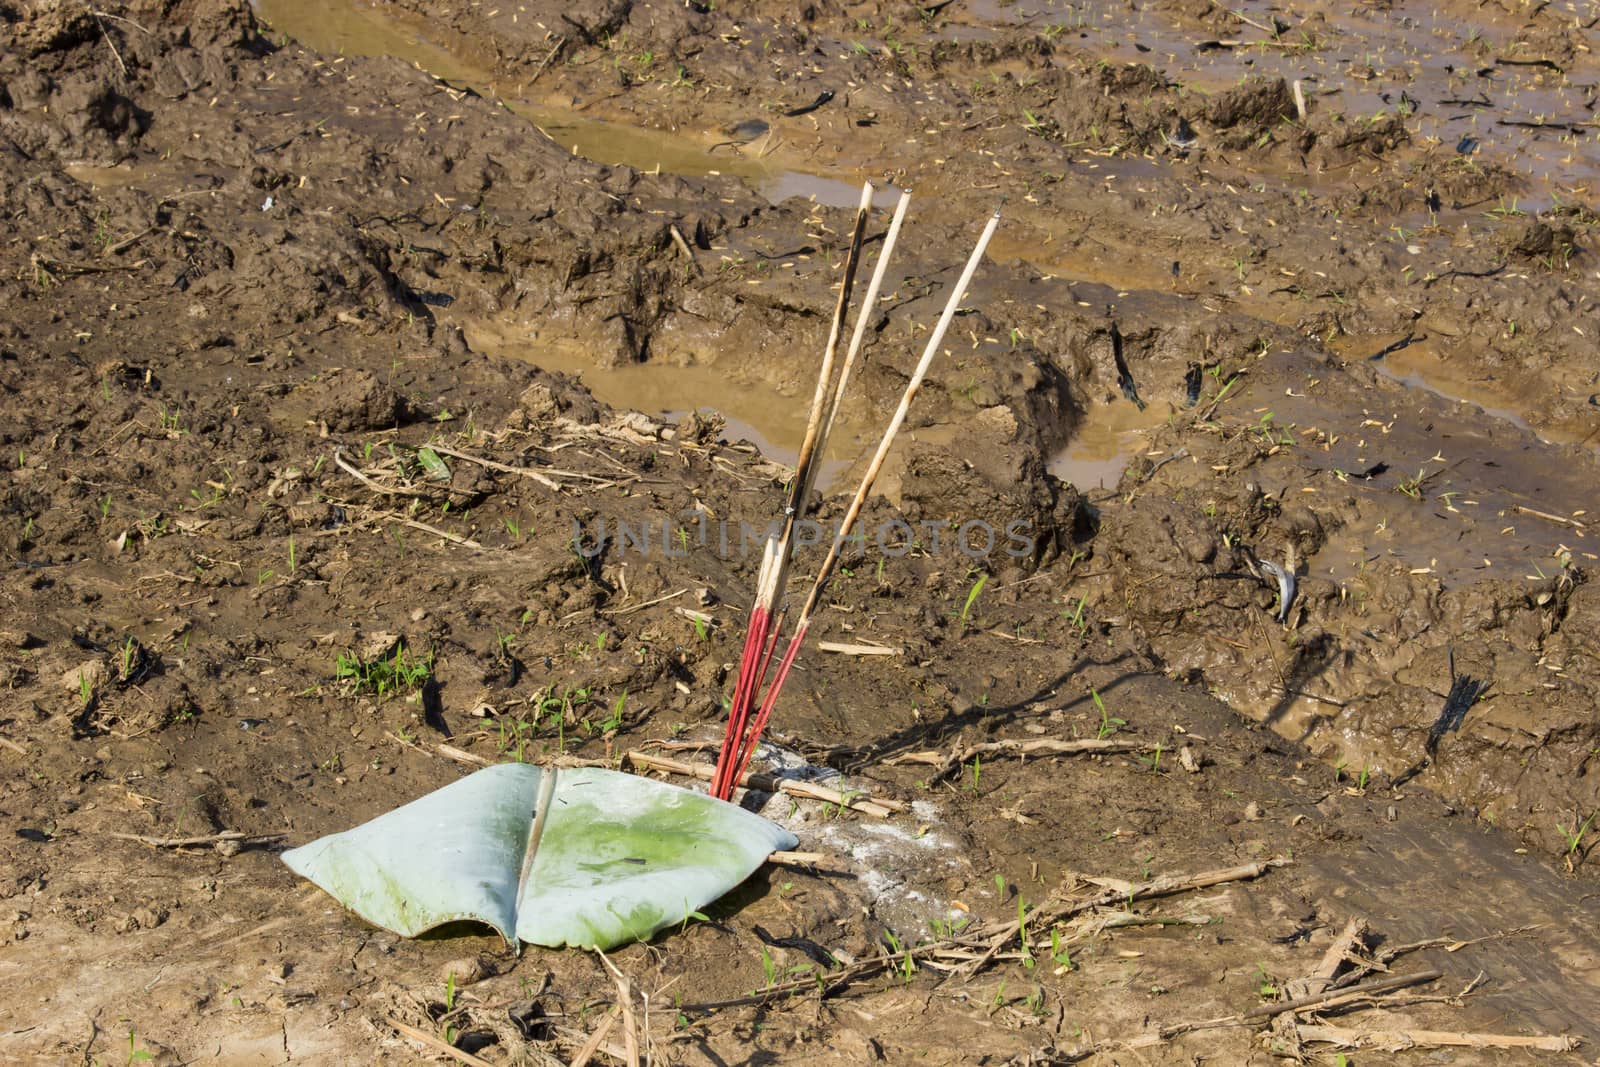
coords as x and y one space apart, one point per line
1284 359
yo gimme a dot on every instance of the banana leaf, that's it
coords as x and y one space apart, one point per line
582 857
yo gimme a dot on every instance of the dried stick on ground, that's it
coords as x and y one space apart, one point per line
225 837
433 531
437 1045
1332 997
1451 944
1054 910
1397 1040
548 483
974 948
1042 746
630 1034
882 807
1323 974
592 1045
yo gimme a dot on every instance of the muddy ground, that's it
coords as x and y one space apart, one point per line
246 277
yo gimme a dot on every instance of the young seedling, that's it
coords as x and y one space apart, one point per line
1076 618
616 714
1059 951
972 596
907 967
1108 725
382 677
768 966
449 1031
1574 840
1022 932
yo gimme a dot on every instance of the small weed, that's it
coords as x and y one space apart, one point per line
383 677
449 1031
1264 985
907 967
689 913
136 1054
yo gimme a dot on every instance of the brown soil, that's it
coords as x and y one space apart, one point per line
245 280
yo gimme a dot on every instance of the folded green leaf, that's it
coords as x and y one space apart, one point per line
614 859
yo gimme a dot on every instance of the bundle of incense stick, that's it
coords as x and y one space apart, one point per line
751 708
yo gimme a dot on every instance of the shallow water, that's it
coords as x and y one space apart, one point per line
753 411
345 28
1105 442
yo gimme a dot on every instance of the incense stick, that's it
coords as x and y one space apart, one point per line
773 576
912 388
864 315
767 616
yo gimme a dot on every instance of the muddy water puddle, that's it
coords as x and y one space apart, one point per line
1426 365
753 411
669 152
347 28
1105 442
